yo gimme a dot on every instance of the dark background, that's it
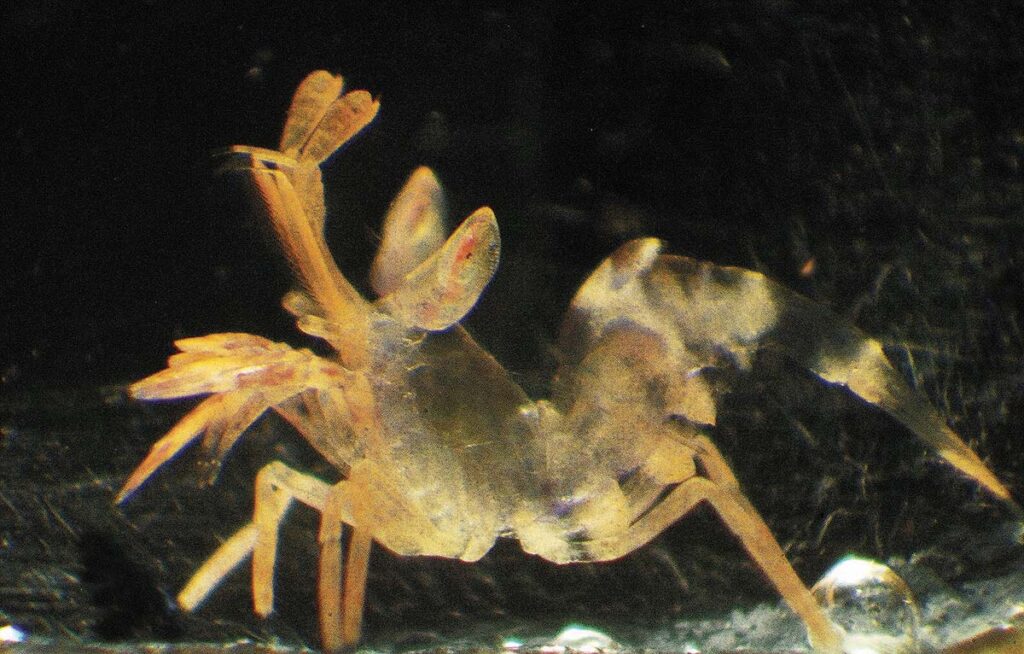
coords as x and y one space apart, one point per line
883 140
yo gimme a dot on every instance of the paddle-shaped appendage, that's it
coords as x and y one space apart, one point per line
310 102
441 290
413 229
320 119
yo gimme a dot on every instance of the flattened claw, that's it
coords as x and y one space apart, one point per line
224 342
241 409
223 418
194 376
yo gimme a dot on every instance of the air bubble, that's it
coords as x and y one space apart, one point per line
872 604
577 638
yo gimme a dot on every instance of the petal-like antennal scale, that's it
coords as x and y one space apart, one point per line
413 229
442 289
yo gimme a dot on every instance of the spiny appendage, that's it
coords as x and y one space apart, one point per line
243 375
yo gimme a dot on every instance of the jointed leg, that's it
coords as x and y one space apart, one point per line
355 585
329 594
375 511
722 492
759 541
277 487
340 632
744 521
228 556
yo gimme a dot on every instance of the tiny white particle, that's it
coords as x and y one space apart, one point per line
11 634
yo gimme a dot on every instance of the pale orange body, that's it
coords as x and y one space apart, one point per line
441 452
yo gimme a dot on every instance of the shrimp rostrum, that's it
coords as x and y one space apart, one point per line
439 451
